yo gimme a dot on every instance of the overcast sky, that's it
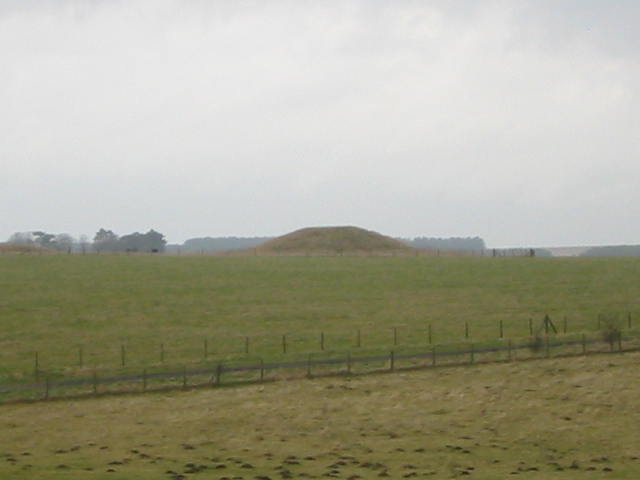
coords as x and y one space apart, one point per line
517 121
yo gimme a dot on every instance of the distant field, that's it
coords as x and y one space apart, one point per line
552 419
86 309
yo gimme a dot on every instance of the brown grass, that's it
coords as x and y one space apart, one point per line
559 418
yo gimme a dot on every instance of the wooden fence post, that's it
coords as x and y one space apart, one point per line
546 326
246 345
218 374
95 382
501 330
284 344
430 338
546 345
122 355
321 340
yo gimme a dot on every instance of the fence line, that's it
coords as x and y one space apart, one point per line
130 354
345 362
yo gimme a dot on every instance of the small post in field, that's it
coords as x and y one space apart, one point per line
546 345
321 340
218 374
122 355
429 334
501 330
531 327
546 327
391 361
261 370
95 383
36 365
246 345
284 344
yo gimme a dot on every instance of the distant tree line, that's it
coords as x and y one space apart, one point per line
451 244
217 244
103 241
613 251
52 241
107 241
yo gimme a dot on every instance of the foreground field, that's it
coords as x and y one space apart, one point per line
80 313
560 418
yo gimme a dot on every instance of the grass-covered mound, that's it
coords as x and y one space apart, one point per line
337 240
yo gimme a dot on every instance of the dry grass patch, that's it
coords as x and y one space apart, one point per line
560 418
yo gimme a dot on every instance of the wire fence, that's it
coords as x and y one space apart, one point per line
145 352
255 370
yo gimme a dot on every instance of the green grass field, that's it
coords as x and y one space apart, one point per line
162 306
556 418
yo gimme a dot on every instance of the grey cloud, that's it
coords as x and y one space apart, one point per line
510 120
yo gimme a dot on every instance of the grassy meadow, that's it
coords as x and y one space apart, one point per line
553 419
549 418
76 310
